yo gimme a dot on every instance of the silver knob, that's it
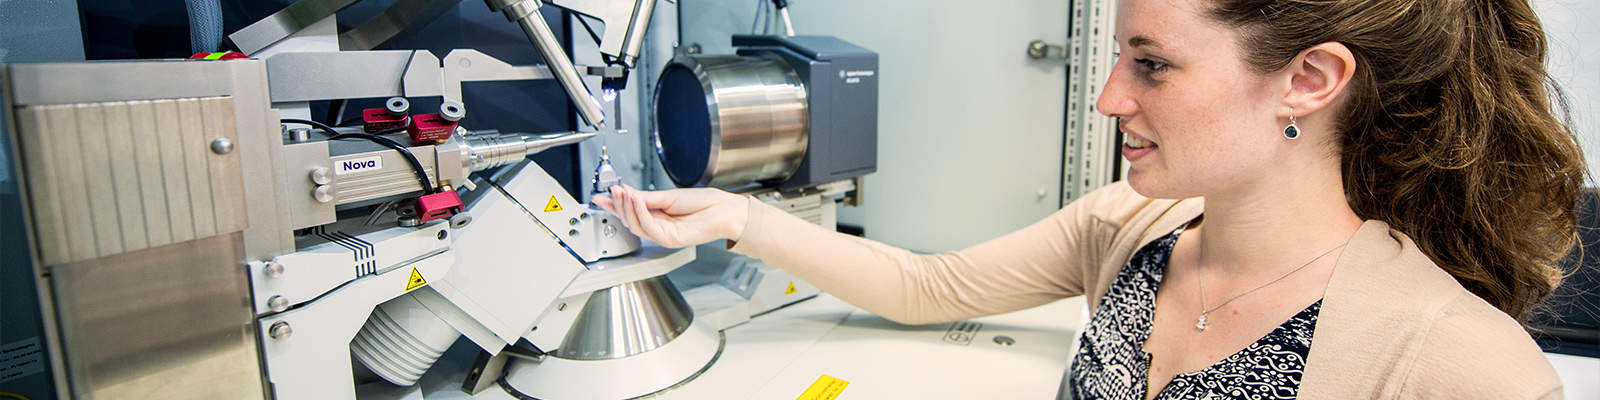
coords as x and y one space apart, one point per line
277 304
222 146
273 269
280 330
322 193
299 134
321 176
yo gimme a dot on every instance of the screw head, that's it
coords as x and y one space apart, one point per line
397 105
573 221
452 111
277 304
573 232
443 234
280 330
1004 340
610 231
273 269
222 146
460 221
322 193
321 176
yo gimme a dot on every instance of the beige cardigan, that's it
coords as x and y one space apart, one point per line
1393 324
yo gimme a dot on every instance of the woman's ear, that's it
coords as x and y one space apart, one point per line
1318 76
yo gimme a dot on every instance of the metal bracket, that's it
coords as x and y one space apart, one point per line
369 34
261 34
311 76
380 28
468 65
485 372
1040 50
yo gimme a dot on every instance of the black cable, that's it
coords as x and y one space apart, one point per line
320 126
416 166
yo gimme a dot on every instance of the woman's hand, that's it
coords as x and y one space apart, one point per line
679 217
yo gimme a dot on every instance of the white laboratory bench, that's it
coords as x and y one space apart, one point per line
783 353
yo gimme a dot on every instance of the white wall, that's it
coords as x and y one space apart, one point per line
1574 62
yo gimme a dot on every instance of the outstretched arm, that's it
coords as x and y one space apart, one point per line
1026 268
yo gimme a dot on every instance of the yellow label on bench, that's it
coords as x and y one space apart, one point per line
825 388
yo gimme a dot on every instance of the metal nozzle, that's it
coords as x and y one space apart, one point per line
489 151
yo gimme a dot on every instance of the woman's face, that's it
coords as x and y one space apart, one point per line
1196 120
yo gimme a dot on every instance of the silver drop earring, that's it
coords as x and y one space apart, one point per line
1293 131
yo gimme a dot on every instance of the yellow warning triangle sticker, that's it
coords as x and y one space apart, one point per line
552 205
416 280
790 290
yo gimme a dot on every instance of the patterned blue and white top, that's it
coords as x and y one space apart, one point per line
1111 362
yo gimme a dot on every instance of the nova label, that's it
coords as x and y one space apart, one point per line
352 166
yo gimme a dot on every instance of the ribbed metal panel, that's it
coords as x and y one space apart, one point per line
112 177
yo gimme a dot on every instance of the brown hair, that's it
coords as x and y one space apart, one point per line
1448 133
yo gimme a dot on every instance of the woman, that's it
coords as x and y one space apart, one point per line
1325 198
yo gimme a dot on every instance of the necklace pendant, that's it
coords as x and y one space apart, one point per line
1201 324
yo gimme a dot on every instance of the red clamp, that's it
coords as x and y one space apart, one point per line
374 120
227 55
429 128
395 114
444 204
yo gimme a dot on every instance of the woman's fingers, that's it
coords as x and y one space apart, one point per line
618 199
648 222
605 202
625 207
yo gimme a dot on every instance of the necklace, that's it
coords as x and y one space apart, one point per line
1202 324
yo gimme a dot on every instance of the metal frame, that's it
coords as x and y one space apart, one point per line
1090 155
70 289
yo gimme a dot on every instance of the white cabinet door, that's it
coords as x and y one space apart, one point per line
970 127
